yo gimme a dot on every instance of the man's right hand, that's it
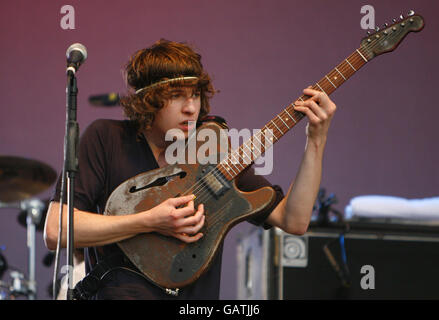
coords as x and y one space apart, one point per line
171 219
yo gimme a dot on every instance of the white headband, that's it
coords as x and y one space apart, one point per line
165 81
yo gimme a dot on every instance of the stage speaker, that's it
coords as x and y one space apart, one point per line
364 263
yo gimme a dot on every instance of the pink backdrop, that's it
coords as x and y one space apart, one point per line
261 54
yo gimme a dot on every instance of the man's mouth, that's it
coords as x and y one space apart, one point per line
187 124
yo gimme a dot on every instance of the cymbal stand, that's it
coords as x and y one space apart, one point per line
34 210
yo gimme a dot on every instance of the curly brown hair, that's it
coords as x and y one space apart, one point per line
163 60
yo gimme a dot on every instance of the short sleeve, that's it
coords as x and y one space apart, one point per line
90 179
249 181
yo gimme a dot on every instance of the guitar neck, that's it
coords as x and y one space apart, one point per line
244 156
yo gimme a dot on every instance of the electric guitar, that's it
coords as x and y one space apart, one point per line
170 263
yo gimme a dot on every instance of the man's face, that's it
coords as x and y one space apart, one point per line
183 106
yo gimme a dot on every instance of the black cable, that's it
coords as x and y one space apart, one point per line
324 208
58 245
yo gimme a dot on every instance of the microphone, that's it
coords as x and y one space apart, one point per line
106 100
76 55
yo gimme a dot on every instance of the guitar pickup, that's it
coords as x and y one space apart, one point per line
215 182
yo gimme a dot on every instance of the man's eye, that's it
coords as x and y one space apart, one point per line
176 95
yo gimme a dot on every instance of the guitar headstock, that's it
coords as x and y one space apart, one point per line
386 40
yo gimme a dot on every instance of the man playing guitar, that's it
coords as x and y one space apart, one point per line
170 89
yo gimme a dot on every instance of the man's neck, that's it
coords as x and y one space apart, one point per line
158 146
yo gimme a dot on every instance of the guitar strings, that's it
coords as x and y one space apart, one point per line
271 126
355 60
215 172
276 122
272 123
202 190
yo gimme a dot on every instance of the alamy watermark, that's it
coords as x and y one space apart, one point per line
68 20
367 281
368 20
204 147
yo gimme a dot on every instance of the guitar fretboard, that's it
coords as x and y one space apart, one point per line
242 157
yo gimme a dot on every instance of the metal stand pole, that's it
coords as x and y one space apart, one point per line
34 210
31 257
71 167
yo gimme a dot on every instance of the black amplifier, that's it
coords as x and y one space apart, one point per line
370 260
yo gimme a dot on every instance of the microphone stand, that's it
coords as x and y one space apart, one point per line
71 168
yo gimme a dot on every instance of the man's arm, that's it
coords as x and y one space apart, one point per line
91 229
293 213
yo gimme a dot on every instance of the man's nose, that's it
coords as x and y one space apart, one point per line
189 105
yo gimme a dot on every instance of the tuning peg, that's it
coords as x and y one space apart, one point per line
394 20
369 33
401 17
410 13
386 25
377 28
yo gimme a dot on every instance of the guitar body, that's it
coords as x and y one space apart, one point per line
167 261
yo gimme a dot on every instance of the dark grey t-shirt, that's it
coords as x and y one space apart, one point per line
111 152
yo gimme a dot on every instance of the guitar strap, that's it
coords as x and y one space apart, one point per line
90 284
219 120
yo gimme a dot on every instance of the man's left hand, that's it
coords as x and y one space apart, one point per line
319 109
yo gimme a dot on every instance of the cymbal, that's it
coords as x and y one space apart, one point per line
22 178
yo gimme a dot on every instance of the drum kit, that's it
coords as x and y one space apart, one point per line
21 180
